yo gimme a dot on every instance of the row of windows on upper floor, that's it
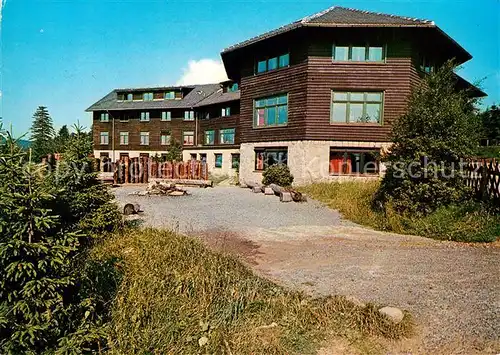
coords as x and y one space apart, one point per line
165 115
342 53
226 136
346 107
150 96
162 95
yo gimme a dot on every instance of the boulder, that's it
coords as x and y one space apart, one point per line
286 197
393 313
268 191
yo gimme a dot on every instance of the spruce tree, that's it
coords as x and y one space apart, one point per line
62 139
42 134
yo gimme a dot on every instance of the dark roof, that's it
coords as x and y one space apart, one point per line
473 90
340 17
219 97
197 94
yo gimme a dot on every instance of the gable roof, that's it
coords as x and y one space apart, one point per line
337 16
219 97
197 94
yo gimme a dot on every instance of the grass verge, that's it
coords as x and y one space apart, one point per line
178 297
470 222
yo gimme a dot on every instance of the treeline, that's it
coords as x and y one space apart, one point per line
44 139
53 297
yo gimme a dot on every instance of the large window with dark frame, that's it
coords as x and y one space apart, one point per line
271 111
354 161
357 107
272 63
265 157
355 53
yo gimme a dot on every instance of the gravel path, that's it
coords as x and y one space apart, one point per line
228 208
453 290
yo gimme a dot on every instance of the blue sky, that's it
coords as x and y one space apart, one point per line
68 54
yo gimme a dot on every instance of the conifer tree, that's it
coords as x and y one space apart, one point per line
42 134
62 139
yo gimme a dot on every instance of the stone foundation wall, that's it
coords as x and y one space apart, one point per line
309 161
210 153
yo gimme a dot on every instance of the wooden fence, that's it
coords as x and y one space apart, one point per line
483 176
141 170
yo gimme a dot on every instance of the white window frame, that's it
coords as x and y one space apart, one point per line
189 115
144 138
104 117
122 136
184 134
104 138
166 116
165 138
145 116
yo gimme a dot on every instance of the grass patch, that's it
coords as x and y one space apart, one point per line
470 222
488 152
176 294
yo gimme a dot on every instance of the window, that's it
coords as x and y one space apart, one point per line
426 65
188 138
358 53
347 161
144 138
104 138
123 138
104 117
209 137
170 95
137 96
203 157
265 157
165 138
227 136
188 115
284 60
226 112
218 160
145 116
357 107
273 63
158 95
232 88
193 156
166 116
130 97
235 161
147 96
271 111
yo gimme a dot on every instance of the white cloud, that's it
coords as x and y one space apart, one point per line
203 71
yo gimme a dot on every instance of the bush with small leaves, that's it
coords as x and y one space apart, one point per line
278 174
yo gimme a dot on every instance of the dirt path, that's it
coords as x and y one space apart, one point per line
452 290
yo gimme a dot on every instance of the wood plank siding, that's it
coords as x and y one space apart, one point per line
156 127
312 77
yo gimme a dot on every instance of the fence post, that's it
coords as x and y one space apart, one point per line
483 185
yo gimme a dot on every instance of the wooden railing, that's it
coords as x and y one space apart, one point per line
483 176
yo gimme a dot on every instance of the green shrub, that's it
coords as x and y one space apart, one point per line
278 174
48 298
439 129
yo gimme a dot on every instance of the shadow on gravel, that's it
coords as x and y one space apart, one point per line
230 242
